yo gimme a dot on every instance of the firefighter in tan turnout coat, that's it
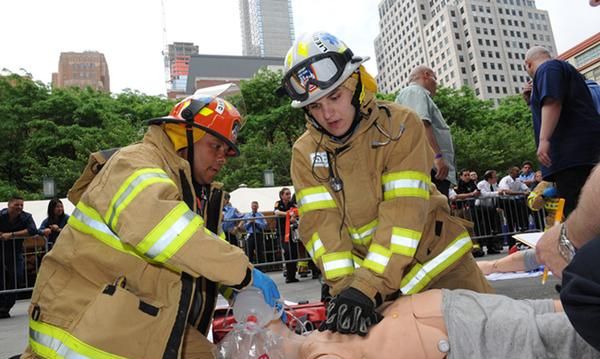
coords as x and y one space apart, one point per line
135 272
371 219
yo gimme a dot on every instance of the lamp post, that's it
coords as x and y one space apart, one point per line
269 178
48 185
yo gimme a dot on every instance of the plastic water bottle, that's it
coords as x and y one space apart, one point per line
250 306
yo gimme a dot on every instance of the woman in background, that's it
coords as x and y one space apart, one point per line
54 223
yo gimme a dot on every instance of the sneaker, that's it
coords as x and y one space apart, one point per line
292 280
478 253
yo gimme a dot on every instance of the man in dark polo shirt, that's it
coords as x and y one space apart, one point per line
565 122
15 224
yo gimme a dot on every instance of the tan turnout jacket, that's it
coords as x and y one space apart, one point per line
120 281
389 228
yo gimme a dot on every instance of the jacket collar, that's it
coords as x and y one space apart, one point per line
158 138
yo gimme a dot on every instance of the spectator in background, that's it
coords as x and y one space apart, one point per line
487 213
514 207
255 224
230 214
511 186
54 223
527 175
538 178
417 95
565 121
15 224
466 193
474 177
290 249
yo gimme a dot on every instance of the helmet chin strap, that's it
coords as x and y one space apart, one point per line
355 121
189 134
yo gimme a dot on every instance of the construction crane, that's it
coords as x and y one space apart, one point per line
165 51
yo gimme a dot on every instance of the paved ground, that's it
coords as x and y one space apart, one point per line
13 331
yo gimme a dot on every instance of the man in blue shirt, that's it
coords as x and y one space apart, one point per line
15 224
230 214
565 122
255 225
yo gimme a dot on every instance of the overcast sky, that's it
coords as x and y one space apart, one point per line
33 33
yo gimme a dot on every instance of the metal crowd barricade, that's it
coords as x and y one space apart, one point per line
498 218
20 260
265 249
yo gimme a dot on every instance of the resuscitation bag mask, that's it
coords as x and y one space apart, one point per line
319 71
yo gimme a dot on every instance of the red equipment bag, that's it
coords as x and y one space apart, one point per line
310 314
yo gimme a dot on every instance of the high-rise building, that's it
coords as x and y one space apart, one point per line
585 56
267 27
475 43
179 54
82 69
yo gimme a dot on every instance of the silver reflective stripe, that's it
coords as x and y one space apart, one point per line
364 234
405 241
338 264
316 197
94 224
130 189
405 183
432 264
377 258
170 235
56 345
316 245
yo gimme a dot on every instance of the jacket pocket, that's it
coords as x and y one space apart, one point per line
119 322
441 231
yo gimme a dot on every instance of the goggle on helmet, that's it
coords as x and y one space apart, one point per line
315 65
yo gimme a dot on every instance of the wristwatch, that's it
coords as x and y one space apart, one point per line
565 247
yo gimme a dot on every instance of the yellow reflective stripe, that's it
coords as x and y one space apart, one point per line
377 258
421 275
313 198
531 198
337 264
176 228
551 204
85 219
405 241
315 247
364 234
133 185
405 184
358 261
206 111
49 341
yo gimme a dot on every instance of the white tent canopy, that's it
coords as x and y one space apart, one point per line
39 209
266 197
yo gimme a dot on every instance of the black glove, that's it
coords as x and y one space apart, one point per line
351 312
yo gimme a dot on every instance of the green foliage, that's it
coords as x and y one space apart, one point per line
51 132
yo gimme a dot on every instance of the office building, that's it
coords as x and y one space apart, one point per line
82 69
179 54
475 43
585 57
212 70
267 27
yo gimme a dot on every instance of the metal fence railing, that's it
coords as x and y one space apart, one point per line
498 218
20 260
495 220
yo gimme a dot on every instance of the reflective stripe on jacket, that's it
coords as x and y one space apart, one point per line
121 280
388 219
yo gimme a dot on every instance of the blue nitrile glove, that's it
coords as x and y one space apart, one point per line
549 192
266 286
269 291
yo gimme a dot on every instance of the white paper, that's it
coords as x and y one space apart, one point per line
529 239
